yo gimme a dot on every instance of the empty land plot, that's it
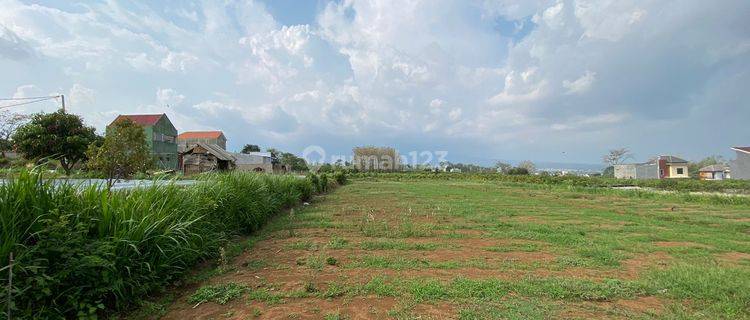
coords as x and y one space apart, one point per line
472 250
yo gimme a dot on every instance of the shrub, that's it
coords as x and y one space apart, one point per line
518 171
340 178
323 183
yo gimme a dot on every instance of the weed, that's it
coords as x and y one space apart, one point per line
220 293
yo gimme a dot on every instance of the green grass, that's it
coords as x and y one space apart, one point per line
220 293
472 248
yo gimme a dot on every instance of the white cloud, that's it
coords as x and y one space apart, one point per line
580 85
81 96
455 114
180 61
27 91
169 97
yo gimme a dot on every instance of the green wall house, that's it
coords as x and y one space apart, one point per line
161 137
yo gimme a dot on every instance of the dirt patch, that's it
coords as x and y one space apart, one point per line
633 267
733 257
643 305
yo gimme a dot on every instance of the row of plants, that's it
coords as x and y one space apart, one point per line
84 252
733 186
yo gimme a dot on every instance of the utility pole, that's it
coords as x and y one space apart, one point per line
62 97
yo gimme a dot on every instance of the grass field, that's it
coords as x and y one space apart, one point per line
479 250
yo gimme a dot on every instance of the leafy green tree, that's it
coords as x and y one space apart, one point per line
59 135
293 162
250 148
123 152
326 167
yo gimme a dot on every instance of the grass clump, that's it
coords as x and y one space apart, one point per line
220 293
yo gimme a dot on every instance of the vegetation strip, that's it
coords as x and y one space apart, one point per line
82 253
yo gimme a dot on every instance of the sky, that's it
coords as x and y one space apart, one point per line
482 80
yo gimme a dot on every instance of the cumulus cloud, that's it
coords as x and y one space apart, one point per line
487 77
168 96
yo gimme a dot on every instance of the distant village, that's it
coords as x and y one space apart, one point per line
193 152
200 151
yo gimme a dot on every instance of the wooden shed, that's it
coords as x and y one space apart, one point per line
205 157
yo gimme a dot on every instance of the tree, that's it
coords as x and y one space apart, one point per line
293 162
502 167
617 156
528 165
9 123
123 152
326 167
59 135
250 148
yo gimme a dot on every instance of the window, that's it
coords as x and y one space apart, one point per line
680 171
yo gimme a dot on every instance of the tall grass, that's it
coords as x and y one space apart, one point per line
82 252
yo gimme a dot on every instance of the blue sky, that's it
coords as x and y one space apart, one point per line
482 79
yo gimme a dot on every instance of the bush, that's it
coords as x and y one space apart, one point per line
323 183
82 253
340 178
518 171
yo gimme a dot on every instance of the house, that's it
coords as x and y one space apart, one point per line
161 137
714 172
188 139
662 167
206 157
256 161
671 167
740 167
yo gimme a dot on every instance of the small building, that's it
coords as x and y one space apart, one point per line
254 161
740 167
714 172
376 159
663 167
671 167
161 137
205 157
190 138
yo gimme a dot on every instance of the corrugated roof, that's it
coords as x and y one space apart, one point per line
672 159
200 135
714 168
217 151
251 158
742 149
141 119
